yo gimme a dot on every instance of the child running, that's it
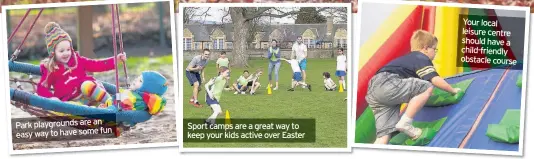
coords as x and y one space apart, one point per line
341 70
297 75
65 71
214 89
329 84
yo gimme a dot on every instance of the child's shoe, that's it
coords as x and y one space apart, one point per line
275 88
210 123
191 101
309 87
291 90
409 130
197 104
236 92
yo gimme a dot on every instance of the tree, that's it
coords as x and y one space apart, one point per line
309 15
242 18
245 22
191 13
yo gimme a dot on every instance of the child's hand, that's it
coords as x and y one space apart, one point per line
456 90
122 56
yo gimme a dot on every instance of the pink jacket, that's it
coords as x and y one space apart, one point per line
67 84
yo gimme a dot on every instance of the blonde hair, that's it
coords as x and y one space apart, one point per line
51 65
421 39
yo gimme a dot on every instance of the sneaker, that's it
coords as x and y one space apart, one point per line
243 92
410 130
309 87
303 86
236 92
291 89
275 88
191 102
210 123
197 104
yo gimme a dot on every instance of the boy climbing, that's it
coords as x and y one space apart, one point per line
407 79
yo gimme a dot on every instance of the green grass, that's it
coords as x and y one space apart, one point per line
328 108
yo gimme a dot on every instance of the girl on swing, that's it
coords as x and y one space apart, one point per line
64 70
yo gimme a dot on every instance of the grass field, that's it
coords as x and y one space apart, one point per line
328 108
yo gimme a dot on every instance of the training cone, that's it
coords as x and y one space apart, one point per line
227 118
269 90
340 87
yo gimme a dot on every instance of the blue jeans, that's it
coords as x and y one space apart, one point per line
276 66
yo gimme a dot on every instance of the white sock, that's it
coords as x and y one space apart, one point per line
216 111
406 120
196 101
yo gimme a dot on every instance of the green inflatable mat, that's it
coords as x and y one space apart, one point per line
519 81
365 127
442 98
507 130
430 129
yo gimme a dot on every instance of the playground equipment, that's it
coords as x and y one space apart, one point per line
471 119
49 109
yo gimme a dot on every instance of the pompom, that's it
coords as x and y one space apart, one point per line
51 26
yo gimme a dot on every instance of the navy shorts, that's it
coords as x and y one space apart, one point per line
297 76
210 101
248 85
341 73
193 77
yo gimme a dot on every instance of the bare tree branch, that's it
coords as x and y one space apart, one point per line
195 13
262 12
225 16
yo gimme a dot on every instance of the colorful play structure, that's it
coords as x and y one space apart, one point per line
487 113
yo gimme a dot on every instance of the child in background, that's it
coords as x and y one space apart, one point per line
65 71
341 70
255 79
329 84
223 62
243 83
297 75
214 89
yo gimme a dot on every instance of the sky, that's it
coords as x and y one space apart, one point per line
216 14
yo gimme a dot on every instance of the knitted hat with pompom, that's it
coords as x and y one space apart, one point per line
54 35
